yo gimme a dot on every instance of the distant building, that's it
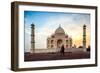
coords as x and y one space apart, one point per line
58 39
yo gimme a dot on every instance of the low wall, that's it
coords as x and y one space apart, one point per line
58 50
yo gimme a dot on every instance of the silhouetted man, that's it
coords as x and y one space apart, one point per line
62 50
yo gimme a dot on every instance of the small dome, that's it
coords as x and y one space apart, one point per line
59 30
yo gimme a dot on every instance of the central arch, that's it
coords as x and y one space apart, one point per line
59 43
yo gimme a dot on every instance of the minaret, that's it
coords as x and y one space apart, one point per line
32 38
70 39
84 36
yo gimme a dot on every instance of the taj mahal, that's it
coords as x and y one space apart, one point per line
56 40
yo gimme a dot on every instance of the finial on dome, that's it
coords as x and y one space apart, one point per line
59 30
59 25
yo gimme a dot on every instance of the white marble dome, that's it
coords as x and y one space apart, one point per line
59 30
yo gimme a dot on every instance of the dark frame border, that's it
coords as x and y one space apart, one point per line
15 39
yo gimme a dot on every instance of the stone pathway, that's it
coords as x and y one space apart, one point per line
55 56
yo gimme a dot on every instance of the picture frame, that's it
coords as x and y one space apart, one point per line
21 13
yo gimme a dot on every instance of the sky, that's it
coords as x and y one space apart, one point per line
47 22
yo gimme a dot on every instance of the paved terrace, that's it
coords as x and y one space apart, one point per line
56 56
